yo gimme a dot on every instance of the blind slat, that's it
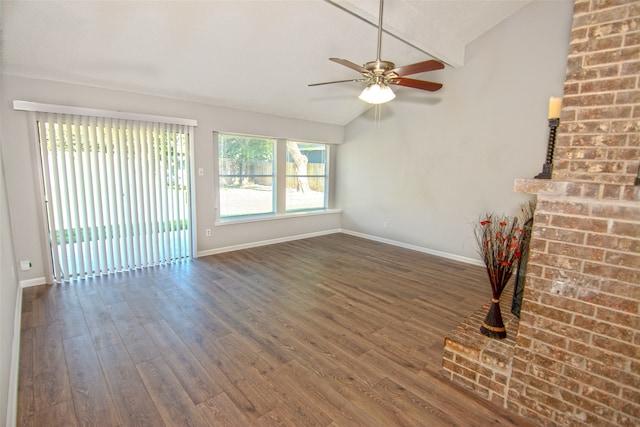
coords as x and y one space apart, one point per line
44 158
76 255
165 197
176 194
120 248
146 197
127 152
56 198
153 217
109 198
82 227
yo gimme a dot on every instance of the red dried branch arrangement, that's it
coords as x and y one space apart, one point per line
499 241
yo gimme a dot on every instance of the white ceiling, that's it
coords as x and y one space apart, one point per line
252 55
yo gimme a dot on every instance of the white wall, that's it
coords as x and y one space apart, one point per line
9 302
22 190
435 161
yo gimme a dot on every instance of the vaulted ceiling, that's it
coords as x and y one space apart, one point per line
255 55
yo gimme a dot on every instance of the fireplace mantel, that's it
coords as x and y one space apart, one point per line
611 193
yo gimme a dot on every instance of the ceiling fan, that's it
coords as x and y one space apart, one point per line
380 74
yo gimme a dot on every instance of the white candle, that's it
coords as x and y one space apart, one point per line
555 105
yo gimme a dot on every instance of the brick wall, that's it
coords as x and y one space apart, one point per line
599 126
576 356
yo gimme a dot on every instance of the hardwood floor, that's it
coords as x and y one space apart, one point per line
327 331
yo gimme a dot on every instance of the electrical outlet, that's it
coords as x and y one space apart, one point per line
207 232
385 224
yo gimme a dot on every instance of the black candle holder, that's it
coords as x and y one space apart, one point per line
547 168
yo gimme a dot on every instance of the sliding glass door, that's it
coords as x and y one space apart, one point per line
117 193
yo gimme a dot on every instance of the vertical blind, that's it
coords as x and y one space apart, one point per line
117 192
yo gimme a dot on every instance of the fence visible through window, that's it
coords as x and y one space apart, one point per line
248 175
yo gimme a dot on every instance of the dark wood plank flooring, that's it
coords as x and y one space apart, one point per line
327 331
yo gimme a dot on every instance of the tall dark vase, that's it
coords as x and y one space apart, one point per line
521 273
493 326
518 286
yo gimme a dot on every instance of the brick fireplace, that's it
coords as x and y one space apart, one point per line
574 355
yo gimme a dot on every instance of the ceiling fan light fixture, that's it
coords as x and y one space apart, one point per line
380 74
377 93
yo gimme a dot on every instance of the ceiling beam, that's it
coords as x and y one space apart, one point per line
409 25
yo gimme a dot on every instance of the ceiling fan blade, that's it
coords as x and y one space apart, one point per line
419 67
351 65
338 81
417 84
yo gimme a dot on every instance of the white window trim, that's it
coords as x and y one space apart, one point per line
273 217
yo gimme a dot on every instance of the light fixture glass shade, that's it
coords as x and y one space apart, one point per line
377 93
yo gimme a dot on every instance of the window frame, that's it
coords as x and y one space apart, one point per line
280 178
327 153
273 176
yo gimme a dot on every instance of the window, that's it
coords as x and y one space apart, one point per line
268 176
246 174
306 176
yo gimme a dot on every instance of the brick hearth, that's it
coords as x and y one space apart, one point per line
479 363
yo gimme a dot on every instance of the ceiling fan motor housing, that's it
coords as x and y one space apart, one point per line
379 66
379 71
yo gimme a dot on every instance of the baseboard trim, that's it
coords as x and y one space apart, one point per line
265 243
33 282
442 254
12 400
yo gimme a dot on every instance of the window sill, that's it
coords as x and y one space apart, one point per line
272 217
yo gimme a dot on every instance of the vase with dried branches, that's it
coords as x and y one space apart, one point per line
499 239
